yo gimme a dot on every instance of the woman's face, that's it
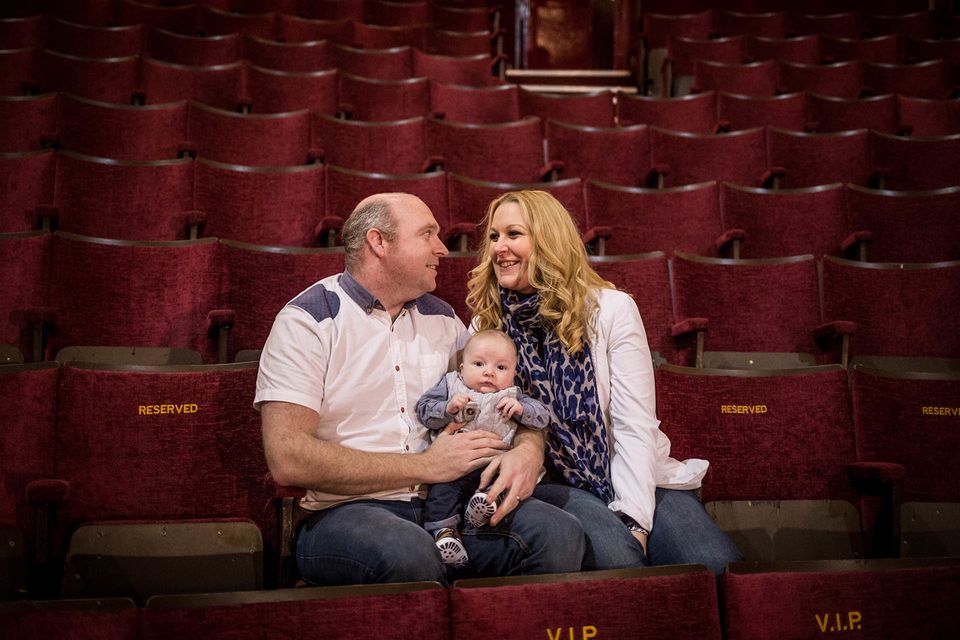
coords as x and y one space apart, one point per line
510 248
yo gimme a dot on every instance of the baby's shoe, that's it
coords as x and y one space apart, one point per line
452 551
478 510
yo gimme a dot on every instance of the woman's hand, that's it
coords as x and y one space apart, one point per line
516 473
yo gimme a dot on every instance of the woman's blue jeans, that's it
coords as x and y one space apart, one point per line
371 541
682 531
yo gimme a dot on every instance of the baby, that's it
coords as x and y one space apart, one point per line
482 396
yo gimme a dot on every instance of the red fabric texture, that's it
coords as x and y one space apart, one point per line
218 86
457 18
617 155
422 614
899 312
811 159
106 79
382 147
260 205
384 100
16 71
122 132
750 306
695 113
843 114
469 199
916 164
94 42
26 121
395 13
284 91
682 52
918 602
914 20
787 111
24 285
802 49
464 70
929 79
456 43
194 50
768 437
926 117
346 187
180 19
841 24
507 152
738 157
773 24
371 36
589 109
749 79
288 56
92 619
126 200
786 222
26 182
907 226
647 279
452 277
133 294
124 463
24 32
685 218
215 22
383 64
657 26
475 105
678 606
336 30
257 140
896 422
250 286
879 49
26 440
332 10
840 79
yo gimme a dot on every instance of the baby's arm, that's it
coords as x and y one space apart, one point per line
432 406
534 415
456 403
510 407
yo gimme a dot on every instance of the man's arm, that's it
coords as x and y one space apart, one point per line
296 457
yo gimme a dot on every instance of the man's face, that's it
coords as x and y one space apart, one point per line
489 364
414 255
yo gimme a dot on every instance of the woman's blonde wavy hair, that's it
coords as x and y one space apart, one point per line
558 268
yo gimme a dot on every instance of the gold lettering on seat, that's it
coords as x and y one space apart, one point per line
163 409
940 411
743 408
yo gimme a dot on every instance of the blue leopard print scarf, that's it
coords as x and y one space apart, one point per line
566 384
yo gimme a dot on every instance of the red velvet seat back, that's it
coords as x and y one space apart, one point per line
24 285
813 159
695 112
506 152
256 140
689 158
383 147
618 155
26 182
25 121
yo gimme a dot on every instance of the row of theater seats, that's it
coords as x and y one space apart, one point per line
452 29
877 599
160 487
35 121
220 297
182 199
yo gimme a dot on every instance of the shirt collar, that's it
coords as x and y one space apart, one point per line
359 294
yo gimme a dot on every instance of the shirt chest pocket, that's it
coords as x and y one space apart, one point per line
432 367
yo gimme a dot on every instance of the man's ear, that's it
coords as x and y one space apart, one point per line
376 242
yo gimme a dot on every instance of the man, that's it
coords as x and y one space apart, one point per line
339 379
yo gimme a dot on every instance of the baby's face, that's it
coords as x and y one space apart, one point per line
489 365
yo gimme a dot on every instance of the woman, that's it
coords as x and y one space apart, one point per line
583 352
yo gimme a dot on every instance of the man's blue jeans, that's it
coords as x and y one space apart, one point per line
372 541
682 531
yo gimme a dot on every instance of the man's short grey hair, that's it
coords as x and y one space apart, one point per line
373 213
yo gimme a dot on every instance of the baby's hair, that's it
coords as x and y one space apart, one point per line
492 333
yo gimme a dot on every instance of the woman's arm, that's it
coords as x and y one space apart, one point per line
632 409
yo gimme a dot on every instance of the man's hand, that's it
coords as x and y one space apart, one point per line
516 474
642 539
453 455
456 403
510 408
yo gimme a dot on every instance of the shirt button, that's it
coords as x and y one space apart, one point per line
406 447
403 409
397 367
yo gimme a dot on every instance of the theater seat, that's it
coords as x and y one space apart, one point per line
65 618
416 610
27 123
779 443
26 189
25 291
616 155
678 602
868 599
